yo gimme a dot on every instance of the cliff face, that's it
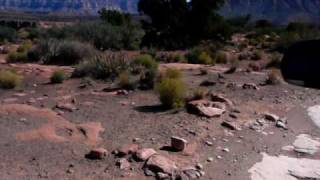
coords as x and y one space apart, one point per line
276 10
280 11
67 6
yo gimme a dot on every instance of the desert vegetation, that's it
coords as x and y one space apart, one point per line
177 71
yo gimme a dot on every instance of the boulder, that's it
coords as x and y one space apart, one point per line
206 108
271 117
158 163
221 98
123 164
178 144
145 153
231 125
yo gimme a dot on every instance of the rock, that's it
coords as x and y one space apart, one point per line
199 166
20 94
10 100
145 153
158 163
208 83
161 175
192 173
66 106
226 150
123 164
219 157
306 144
206 108
221 98
122 92
231 125
127 149
209 143
210 159
250 86
178 143
271 117
98 153
281 124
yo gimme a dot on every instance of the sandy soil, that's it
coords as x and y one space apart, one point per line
40 141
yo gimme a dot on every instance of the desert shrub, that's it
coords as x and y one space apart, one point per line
21 54
275 60
199 93
17 57
126 81
147 68
172 73
197 56
57 77
169 57
257 55
221 57
172 92
102 66
24 47
62 52
150 51
9 79
8 34
274 77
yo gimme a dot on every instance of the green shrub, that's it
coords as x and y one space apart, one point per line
8 34
103 66
24 47
199 93
17 57
147 68
126 81
173 73
62 52
172 92
196 56
9 79
146 61
57 77
257 55
221 57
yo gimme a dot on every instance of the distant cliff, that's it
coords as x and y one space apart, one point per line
67 6
280 11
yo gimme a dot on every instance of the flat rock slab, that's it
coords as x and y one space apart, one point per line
314 114
285 168
306 144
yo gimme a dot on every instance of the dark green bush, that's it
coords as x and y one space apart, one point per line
147 68
57 77
197 56
9 79
257 55
8 34
220 57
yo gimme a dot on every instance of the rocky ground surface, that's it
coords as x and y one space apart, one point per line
86 130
